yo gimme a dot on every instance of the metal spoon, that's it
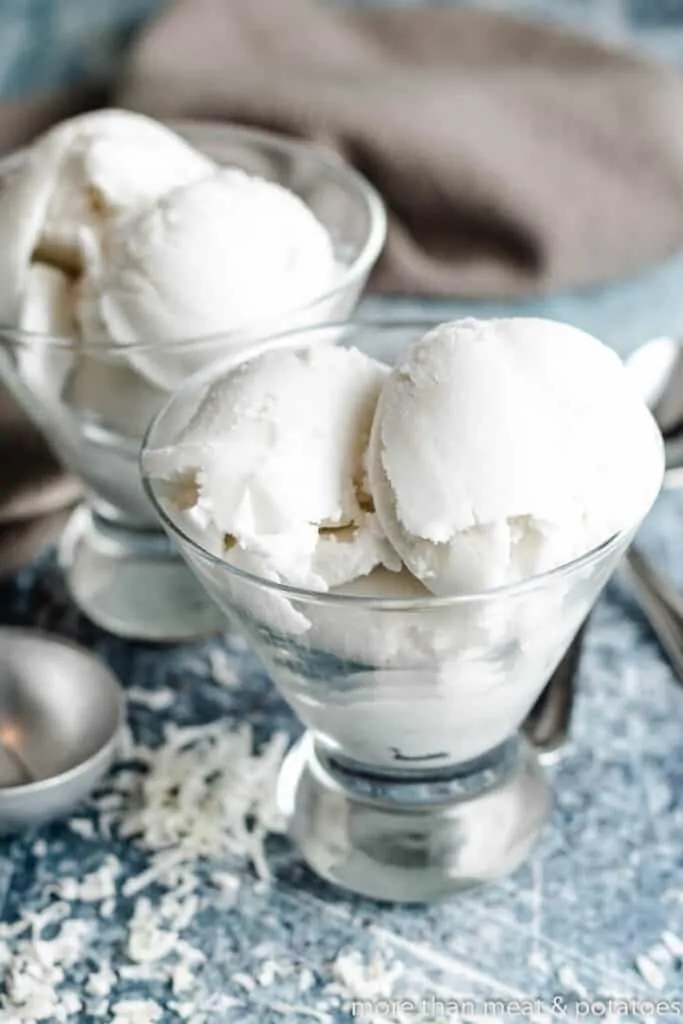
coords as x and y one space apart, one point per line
660 603
13 769
657 369
61 712
547 725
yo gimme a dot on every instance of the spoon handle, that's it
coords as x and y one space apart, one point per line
547 725
659 602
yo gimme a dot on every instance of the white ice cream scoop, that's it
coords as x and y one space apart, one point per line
215 256
502 449
273 460
77 176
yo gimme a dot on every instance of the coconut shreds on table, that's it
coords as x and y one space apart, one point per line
222 667
96 886
378 989
375 979
155 700
136 1011
36 977
206 794
203 796
202 803
83 827
673 943
34 968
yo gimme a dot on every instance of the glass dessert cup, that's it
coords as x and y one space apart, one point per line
93 405
412 780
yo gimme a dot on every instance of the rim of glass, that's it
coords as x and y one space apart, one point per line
352 179
207 374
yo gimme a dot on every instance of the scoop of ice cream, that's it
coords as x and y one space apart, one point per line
504 448
272 460
444 684
77 176
221 254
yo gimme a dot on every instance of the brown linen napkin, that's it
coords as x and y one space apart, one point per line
25 117
35 494
515 158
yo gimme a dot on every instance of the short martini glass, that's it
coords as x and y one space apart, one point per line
412 779
93 402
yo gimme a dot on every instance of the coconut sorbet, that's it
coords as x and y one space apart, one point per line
129 259
488 456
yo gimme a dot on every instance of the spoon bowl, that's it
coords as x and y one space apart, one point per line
656 369
61 713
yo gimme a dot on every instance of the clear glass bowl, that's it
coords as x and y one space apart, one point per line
93 406
412 780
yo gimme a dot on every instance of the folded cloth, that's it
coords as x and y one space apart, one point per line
514 158
22 540
24 117
35 491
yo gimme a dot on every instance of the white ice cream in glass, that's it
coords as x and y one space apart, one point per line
131 255
410 524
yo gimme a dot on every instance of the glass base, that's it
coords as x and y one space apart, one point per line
133 583
414 838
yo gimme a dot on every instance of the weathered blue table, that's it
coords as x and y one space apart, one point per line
597 916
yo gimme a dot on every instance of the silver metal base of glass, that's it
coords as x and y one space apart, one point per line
133 583
414 838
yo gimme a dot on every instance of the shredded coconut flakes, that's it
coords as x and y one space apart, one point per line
205 795
155 700
222 668
83 827
137 1011
673 943
649 970
35 969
